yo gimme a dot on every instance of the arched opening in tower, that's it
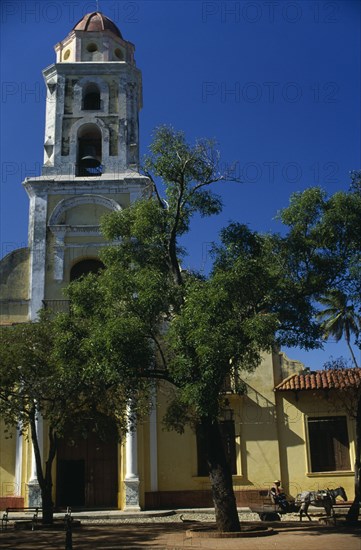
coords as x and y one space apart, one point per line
91 97
89 151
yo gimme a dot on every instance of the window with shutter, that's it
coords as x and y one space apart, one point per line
328 443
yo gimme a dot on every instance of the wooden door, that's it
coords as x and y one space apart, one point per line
87 473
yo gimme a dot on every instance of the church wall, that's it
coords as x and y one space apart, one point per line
257 452
7 464
14 311
95 211
14 291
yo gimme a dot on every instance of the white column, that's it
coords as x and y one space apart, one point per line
131 453
131 480
18 461
37 244
153 445
33 485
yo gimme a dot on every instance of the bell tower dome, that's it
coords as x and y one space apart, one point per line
91 153
94 94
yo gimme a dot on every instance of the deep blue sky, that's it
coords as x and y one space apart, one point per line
276 83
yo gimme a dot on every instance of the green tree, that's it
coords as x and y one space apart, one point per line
191 331
355 181
67 394
326 235
31 385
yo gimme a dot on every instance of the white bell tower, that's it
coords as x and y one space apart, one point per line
94 94
91 167
91 152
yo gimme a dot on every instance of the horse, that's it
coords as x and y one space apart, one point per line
325 498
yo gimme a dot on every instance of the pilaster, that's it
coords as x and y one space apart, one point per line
131 480
37 245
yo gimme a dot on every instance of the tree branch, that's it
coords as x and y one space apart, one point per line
155 189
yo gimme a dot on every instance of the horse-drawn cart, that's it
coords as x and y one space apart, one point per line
269 510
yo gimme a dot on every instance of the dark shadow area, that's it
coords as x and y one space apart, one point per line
172 535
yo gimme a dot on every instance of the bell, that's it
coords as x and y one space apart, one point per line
89 159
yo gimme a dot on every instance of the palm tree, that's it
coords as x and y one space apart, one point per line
339 318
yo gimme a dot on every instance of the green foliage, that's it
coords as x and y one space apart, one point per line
338 363
144 318
355 181
339 318
29 375
185 171
324 250
326 235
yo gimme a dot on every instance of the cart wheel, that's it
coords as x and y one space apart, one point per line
269 516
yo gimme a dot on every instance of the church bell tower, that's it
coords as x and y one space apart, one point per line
91 168
91 154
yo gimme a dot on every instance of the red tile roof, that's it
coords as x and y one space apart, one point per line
322 380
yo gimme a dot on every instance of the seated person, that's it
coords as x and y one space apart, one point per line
279 496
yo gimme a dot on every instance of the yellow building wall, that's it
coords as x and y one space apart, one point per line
271 438
294 447
78 244
259 429
256 433
7 464
14 292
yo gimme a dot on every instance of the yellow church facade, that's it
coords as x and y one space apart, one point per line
277 429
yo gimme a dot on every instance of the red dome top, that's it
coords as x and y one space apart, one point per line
97 22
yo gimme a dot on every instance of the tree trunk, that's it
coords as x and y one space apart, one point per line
220 477
351 351
354 511
45 482
48 506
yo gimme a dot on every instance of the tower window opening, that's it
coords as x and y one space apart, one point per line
119 54
92 47
91 98
89 151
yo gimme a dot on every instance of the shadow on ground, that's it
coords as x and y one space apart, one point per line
110 536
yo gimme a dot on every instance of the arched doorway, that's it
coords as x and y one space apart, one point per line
84 267
87 472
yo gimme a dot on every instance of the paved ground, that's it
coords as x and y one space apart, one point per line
116 535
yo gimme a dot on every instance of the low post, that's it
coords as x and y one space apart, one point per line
68 531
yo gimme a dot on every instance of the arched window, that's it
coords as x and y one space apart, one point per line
91 97
89 162
84 267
